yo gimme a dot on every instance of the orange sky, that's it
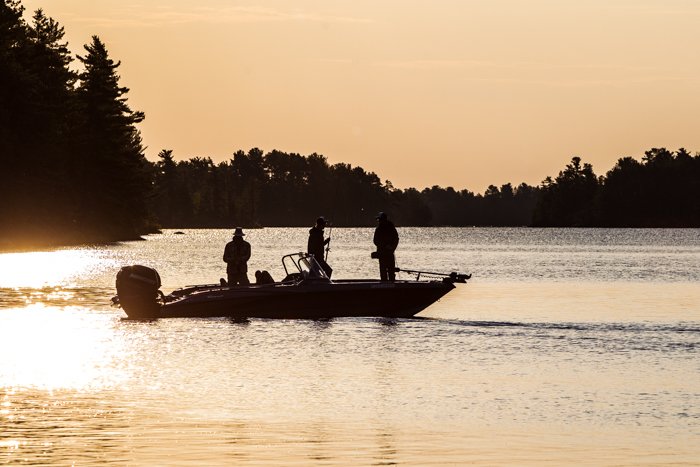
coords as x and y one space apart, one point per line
461 93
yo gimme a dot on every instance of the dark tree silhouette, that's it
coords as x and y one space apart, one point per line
410 208
16 85
72 165
116 180
36 108
568 200
53 120
660 191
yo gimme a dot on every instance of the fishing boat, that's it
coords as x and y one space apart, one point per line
305 293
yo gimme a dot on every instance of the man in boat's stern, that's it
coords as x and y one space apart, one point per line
236 256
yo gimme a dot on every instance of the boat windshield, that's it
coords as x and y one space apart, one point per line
303 264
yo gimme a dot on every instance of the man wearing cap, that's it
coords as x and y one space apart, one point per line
236 256
386 238
316 243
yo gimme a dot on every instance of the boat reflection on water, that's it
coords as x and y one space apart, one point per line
305 293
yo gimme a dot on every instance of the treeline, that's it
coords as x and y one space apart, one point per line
281 189
71 159
72 168
663 190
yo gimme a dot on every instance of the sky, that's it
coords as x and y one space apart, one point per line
461 93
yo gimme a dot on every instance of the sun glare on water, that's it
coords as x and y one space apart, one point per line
58 348
55 347
42 269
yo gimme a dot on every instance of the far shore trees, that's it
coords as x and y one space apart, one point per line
569 199
280 189
663 190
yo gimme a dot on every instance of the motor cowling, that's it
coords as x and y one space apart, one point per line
138 291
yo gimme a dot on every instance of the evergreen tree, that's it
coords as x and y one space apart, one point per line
165 187
409 208
36 86
14 80
116 180
53 116
14 97
660 191
569 200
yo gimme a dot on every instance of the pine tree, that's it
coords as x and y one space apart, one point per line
36 87
53 115
115 176
14 86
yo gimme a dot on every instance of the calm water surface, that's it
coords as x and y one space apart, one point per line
568 346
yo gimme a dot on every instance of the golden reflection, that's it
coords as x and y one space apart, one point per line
59 348
43 268
21 297
11 444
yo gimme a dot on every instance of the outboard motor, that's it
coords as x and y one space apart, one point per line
138 291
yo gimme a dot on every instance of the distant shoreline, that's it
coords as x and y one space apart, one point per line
12 245
25 245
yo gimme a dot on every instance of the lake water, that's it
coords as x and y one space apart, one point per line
568 346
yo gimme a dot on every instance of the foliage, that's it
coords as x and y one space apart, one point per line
71 157
281 189
660 191
568 199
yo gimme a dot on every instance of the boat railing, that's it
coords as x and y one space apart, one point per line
305 265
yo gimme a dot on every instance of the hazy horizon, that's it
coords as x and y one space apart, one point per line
461 94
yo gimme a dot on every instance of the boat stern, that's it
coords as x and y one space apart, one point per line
138 292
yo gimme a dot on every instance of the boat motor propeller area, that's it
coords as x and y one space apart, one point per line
138 288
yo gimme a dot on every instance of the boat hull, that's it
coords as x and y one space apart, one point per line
314 300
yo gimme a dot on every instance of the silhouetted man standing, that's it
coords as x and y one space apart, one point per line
316 243
386 238
236 256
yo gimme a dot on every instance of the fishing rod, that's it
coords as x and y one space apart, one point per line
328 245
452 276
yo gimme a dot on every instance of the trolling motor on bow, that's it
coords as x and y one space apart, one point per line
452 277
138 291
